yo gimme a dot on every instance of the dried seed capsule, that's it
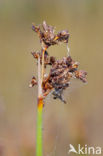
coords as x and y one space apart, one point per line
63 36
81 75
68 61
52 60
33 82
35 54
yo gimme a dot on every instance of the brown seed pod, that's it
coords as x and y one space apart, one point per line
35 54
63 36
33 82
81 74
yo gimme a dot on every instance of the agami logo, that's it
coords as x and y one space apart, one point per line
85 150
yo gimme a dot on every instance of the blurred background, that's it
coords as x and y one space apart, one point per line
78 121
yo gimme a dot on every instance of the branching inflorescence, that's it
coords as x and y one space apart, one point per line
61 70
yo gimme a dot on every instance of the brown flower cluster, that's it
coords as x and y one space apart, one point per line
60 75
61 70
48 60
47 35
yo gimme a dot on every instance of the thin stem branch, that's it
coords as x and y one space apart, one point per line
39 79
43 53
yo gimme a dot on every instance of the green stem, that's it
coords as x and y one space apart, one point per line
39 148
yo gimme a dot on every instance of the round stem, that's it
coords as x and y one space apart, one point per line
39 148
39 144
43 53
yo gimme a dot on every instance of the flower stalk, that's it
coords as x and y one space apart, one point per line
39 144
43 52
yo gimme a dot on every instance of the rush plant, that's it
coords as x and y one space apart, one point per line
59 76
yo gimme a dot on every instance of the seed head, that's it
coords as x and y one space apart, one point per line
61 71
